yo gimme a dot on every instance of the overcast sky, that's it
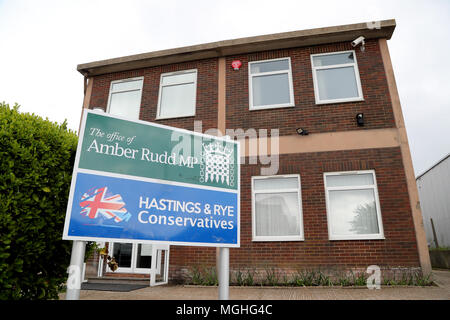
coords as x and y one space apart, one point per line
42 42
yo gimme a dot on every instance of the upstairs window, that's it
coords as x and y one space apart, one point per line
177 94
336 77
270 84
277 209
125 97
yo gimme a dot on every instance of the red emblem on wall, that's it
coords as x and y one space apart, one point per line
236 64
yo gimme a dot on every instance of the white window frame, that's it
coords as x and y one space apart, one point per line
121 91
335 66
374 187
132 268
158 116
299 237
250 85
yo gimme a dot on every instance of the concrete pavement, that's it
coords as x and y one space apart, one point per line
439 292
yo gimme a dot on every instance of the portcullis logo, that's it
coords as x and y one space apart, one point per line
101 203
217 164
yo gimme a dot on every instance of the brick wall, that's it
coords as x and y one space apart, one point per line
316 118
399 249
376 107
206 106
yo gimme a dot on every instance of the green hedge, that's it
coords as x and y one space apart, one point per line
36 163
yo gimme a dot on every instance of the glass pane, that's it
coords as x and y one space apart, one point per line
126 104
353 212
337 83
347 180
144 256
269 66
277 214
122 254
331 59
275 183
272 89
177 101
179 78
127 85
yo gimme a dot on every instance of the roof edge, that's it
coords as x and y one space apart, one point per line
292 39
433 166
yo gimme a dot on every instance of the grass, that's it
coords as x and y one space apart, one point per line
411 279
207 276
440 249
272 277
246 278
196 276
308 278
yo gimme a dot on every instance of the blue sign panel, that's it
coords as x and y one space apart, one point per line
120 208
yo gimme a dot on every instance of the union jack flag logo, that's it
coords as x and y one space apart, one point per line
100 202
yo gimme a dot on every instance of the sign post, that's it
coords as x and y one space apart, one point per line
141 182
75 270
224 273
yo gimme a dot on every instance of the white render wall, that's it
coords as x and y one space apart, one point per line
434 194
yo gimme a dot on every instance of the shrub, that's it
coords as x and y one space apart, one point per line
35 173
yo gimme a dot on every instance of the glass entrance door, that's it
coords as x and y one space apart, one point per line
123 253
143 257
159 273
132 257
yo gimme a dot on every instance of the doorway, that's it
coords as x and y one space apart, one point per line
132 257
139 258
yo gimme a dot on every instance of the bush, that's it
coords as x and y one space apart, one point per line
35 173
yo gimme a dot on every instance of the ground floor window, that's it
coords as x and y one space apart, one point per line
276 208
353 207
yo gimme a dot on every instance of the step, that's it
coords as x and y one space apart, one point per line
119 280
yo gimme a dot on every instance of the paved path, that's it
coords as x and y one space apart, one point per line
440 292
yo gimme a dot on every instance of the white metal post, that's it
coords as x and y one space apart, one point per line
75 270
224 273
223 269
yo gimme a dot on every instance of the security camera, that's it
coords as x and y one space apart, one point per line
359 40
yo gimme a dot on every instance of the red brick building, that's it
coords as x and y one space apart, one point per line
343 196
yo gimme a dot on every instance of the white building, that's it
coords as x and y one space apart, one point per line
434 194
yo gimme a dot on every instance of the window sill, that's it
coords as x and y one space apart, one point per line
273 239
271 107
368 237
175 117
340 101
